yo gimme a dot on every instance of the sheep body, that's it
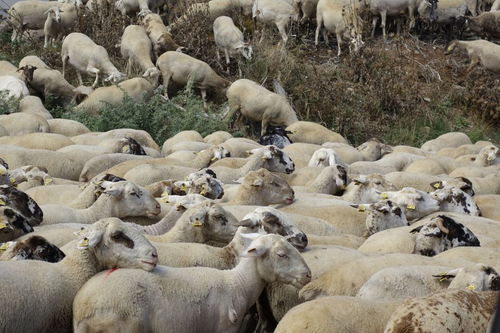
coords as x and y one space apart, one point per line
14 87
480 52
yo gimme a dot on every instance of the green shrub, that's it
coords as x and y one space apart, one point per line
7 104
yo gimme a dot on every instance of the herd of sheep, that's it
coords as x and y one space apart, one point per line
298 231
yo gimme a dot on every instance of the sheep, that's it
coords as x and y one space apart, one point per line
486 24
324 157
47 141
414 203
136 47
182 136
440 234
276 12
447 11
488 206
67 127
239 147
23 123
202 182
365 189
309 132
87 56
6 68
50 82
141 136
159 35
136 88
331 180
107 244
383 215
181 68
22 203
388 163
52 28
33 104
452 311
12 224
259 104
452 199
370 150
14 87
229 38
391 8
483 255
397 283
335 18
217 138
141 6
28 15
100 163
337 314
120 199
451 139
283 263
33 248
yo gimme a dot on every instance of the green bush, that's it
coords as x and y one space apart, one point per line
7 104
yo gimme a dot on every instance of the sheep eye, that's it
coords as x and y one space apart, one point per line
282 255
378 183
120 237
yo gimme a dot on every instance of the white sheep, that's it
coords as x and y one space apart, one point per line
120 199
217 138
277 12
392 8
86 56
13 87
107 244
229 38
365 189
310 132
452 199
259 104
277 261
136 47
181 68
383 215
23 123
159 35
451 139
33 104
324 157
414 203
67 127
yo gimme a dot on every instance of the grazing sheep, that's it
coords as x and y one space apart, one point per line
86 56
444 12
49 288
486 24
120 199
136 47
159 35
181 68
259 104
277 12
397 283
480 52
14 87
452 311
12 224
22 203
33 248
229 39
391 8
440 234
269 258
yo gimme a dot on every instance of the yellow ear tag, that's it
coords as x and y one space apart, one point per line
203 192
197 223
437 186
410 207
3 225
471 287
2 203
12 180
125 149
4 246
384 195
361 208
84 242
47 181
183 187
213 159
164 197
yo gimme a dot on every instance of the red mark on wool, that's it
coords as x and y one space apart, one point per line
111 271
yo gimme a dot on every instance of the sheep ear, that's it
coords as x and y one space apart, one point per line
116 192
437 185
385 149
439 223
91 238
447 275
416 230
255 251
257 182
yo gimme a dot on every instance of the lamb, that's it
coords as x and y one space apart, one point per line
14 87
120 199
310 132
337 314
397 283
136 88
283 263
480 51
259 104
486 24
87 56
33 104
12 224
49 81
22 203
33 248
67 127
452 199
334 17
106 244
136 47
229 39
159 35
365 189
276 12
440 234
181 68
276 136
453 310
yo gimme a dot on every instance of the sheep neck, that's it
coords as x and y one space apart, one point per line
85 199
248 284
181 232
81 265
255 163
165 224
103 207
203 158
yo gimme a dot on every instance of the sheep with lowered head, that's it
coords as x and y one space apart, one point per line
86 56
33 248
49 289
229 39
269 258
277 12
259 104
181 68
159 35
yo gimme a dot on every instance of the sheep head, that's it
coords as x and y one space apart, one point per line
245 50
116 244
35 248
12 224
479 277
373 149
274 159
414 203
22 203
383 215
264 188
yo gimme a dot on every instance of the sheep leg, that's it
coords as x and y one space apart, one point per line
383 15
282 29
474 61
79 76
318 29
64 59
325 37
166 79
96 72
204 97
129 67
374 24
411 13
226 53
339 41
